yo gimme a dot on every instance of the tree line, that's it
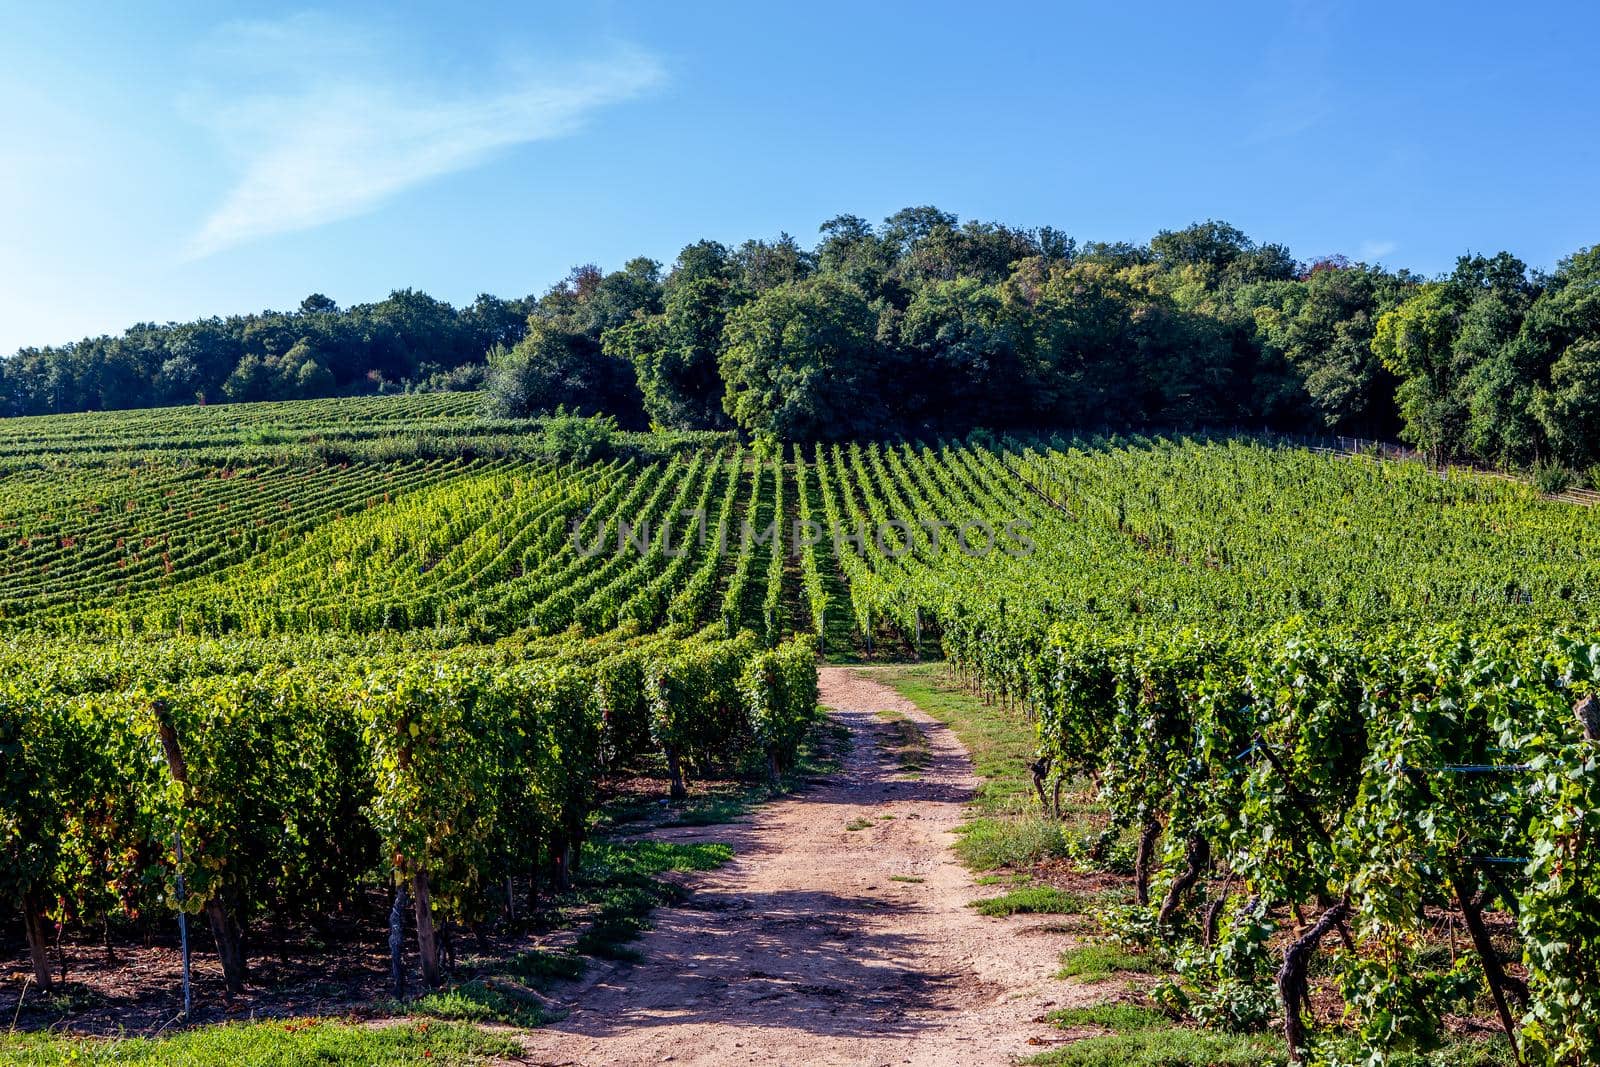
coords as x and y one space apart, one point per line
924 324
408 341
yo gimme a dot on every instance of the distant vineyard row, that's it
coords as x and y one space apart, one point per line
1130 533
370 429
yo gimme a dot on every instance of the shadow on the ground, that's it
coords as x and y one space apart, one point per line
785 959
794 959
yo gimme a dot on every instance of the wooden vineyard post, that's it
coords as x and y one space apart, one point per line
561 861
675 772
533 877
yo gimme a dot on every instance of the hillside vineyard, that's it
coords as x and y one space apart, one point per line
313 641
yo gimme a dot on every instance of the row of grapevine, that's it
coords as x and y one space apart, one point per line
312 434
691 605
1320 782
89 537
772 620
810 536
1119 533
753 528
274 792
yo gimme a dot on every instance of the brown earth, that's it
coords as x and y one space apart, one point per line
812 947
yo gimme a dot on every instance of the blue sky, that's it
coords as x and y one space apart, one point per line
163 161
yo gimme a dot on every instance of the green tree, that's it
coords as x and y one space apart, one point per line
621 296
674 355
703 259
1209 244
1568 408
800 362
250 380
762 265
1497 374
551 368
852 251
1076 342
1416 341
964 344
1563 326
312 379
1323 327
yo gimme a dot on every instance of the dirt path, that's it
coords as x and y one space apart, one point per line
806 949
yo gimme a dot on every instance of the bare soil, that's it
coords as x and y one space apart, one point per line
814 946
293 972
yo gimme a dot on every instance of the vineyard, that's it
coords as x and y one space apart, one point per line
251 655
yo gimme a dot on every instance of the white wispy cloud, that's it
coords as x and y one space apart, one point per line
338 127
1374 251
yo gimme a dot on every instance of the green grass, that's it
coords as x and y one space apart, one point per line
1034 899
482 1001
1114 896
1144 1037
859 824
1463 1052
1476 1052
910 878
288 1043
1122 1018
1168 1048
646 857
991 841
1000 742
1097 961
1003 878
542 969
715 808
1006 829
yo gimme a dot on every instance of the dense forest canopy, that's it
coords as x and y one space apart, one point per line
925 324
